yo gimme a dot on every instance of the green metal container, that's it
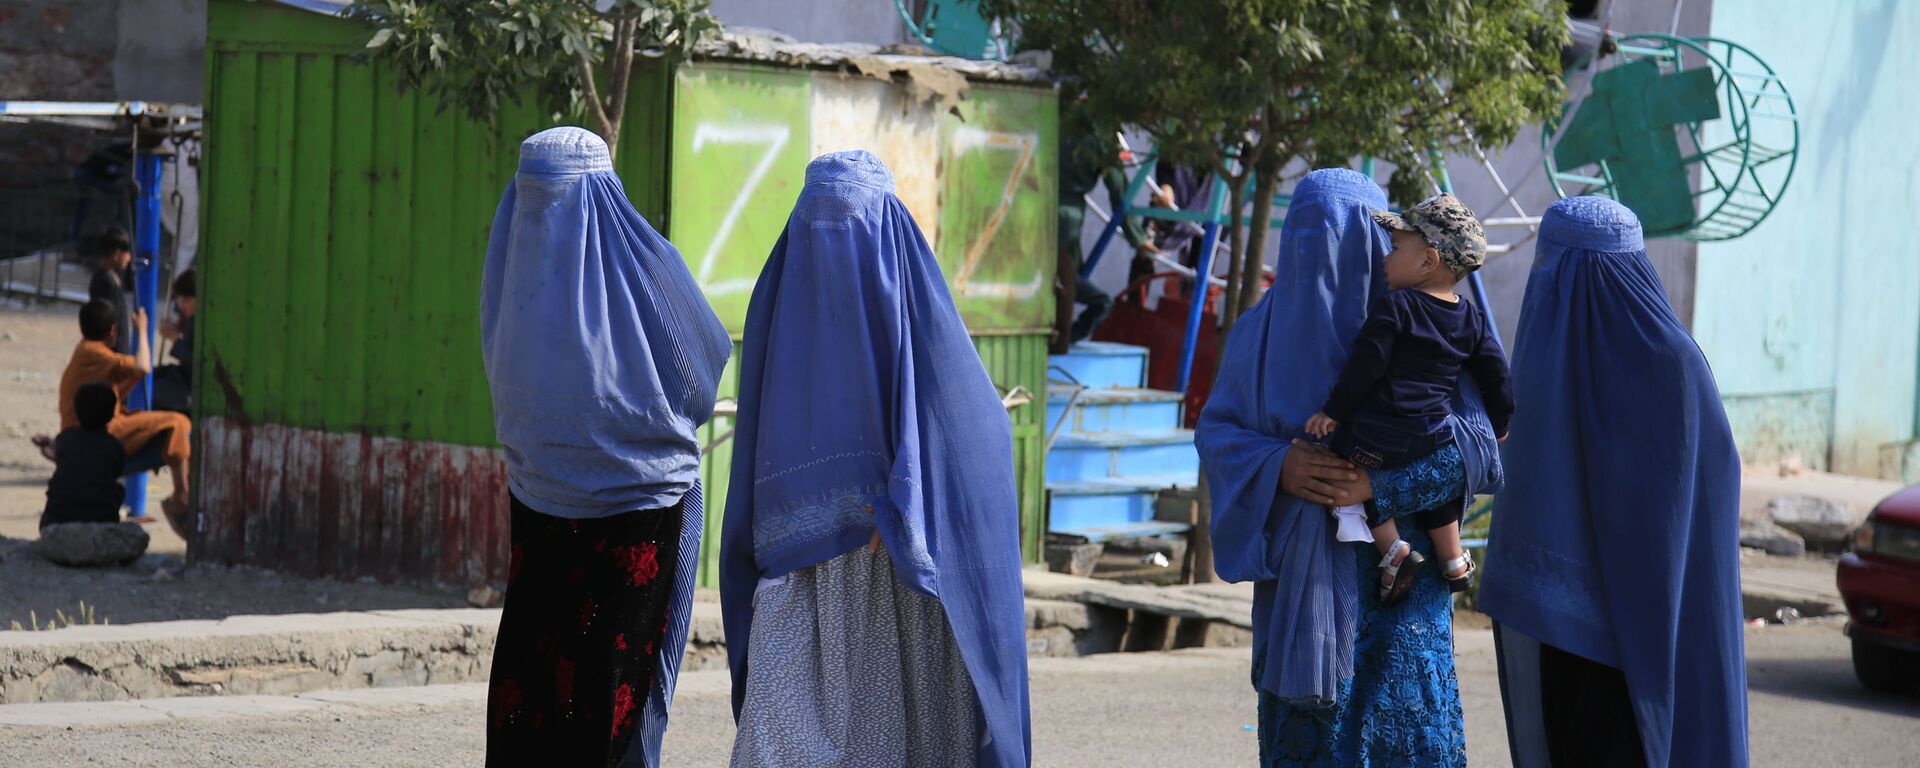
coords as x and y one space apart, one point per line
344 425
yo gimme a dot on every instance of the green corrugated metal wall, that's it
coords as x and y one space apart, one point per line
345 225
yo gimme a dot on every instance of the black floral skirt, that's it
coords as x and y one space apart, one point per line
586 607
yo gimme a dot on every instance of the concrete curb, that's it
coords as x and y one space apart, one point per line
272 655
246 655
372 701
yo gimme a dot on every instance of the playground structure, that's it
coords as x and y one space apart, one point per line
951 28
1741 135
1697 135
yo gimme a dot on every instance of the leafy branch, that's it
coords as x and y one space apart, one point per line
478 55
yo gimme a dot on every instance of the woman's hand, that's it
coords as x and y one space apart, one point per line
1314 473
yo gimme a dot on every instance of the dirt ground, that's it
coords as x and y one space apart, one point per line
35 341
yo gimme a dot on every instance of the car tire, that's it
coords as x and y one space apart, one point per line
1883 669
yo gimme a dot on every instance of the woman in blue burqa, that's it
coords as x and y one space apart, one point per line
603 358
1342 680
1613 569
870 574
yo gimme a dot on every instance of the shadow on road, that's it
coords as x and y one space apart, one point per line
1825 680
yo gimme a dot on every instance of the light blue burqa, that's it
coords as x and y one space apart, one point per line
603 358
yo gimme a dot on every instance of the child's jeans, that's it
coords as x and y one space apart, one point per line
1373 441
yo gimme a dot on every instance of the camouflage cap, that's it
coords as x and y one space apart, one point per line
1448 226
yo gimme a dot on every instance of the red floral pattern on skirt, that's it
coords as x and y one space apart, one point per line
641 563
623 710
568 684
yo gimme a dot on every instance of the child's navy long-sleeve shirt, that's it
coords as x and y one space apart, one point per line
86 478
1407 360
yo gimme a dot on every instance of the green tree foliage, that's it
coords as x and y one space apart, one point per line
1245 87
479 54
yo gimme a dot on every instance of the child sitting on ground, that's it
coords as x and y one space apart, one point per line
94 360
86 476
1390 405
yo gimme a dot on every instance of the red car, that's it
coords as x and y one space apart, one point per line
1880 581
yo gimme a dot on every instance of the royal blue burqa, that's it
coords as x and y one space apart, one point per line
603 358
1617 536
1281 362
863 404
602 354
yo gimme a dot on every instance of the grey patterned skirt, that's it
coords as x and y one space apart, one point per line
848 667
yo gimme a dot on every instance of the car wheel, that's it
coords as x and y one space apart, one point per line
1885 669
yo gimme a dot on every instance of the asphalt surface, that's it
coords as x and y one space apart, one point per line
1190 708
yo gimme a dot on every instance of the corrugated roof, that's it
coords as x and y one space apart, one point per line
770 47
328 7
766 46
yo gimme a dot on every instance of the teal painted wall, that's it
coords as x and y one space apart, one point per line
1812 321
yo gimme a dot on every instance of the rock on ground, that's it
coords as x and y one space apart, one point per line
1773 539
92 544
1823 522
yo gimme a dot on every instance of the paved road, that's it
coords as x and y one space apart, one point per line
1187 708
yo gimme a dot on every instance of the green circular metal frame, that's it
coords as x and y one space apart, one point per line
1742 178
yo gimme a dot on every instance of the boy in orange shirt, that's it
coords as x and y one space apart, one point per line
95 360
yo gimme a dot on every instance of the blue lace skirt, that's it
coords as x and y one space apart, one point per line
1401 709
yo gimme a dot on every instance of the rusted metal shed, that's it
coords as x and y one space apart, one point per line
344 426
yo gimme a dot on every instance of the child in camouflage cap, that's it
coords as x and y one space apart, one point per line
1389 409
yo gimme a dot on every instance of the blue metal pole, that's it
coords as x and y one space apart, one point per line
146 286
1100 246
1202 271
1117 218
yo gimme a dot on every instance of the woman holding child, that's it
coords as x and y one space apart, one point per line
1344 678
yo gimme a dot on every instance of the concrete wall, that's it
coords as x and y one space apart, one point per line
161 51
90 50
52 49
821 21
1812 321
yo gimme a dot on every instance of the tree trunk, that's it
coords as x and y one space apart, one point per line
1201 542
619 73
606 113
1264 181
1237 245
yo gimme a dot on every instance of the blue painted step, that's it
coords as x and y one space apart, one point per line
1148 529
1113 410
1113 504
1102 364
1094 455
